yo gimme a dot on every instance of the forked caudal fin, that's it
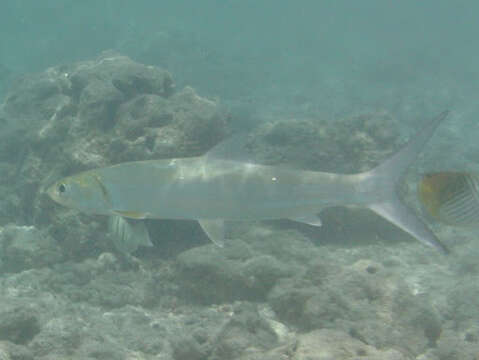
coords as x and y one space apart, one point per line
385 178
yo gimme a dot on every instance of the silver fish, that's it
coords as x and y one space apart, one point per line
212 190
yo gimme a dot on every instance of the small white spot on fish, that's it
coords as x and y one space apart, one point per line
274 179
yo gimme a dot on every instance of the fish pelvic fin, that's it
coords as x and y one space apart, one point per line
128 234
382 182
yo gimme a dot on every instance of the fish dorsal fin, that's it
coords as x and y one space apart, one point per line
238 148
310 219
215 229
233 148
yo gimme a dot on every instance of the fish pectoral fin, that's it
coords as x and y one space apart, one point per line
215 229
130 214
310 219
128 234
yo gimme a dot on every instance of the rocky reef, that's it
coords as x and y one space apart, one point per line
354 289
94 113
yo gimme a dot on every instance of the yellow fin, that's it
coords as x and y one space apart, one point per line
451 197
431 190
131 214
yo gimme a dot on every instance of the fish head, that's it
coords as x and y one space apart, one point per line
84 192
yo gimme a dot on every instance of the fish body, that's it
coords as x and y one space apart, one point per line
213 190
203 188
451 197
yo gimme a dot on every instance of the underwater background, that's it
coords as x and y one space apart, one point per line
332 86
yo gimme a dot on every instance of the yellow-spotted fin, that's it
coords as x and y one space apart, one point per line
451 197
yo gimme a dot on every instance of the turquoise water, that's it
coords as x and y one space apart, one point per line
253 48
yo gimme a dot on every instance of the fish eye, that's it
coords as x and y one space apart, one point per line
62 188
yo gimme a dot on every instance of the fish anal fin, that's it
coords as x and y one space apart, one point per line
215 230
310 219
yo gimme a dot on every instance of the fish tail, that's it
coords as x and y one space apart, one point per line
384 179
